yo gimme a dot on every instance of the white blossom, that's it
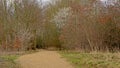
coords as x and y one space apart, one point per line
109 2
61 17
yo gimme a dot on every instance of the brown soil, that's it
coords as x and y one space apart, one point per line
43 59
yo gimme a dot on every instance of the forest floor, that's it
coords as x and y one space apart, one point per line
43 59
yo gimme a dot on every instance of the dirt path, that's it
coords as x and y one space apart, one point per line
43 59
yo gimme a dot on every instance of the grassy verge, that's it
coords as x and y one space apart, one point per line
8 61
93 60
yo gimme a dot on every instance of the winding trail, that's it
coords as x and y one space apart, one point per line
43 59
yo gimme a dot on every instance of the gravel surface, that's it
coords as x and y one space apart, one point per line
43 59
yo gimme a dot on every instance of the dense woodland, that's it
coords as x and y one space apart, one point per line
83 25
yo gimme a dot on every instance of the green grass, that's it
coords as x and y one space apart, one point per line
8 61
10 58
93 60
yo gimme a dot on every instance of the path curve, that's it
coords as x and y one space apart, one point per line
43 59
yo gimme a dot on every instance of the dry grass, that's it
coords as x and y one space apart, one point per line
93 60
